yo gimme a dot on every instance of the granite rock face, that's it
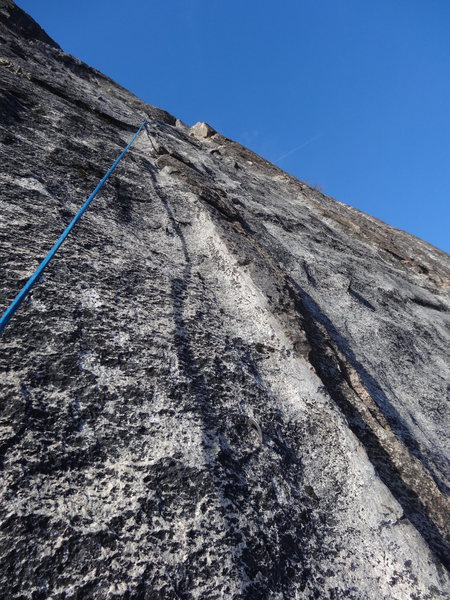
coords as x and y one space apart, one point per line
227 385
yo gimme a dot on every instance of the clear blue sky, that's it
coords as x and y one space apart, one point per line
353 95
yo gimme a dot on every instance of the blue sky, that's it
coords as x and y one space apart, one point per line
353 95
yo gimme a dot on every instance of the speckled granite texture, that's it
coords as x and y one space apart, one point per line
227 385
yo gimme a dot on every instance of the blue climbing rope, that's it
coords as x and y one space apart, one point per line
9 312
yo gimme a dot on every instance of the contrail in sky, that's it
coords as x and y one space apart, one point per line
313 139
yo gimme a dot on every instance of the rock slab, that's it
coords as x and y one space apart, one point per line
227 385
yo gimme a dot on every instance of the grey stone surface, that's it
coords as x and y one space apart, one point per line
227 385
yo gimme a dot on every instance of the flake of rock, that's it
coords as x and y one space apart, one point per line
202 130
180 125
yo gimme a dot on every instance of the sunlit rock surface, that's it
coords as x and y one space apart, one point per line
227 385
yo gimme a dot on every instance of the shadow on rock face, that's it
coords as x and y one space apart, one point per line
413 507
267 540
12 105
123 205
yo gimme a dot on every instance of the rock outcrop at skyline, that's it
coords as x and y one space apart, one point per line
227 384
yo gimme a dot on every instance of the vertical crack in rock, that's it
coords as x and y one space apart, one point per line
423 502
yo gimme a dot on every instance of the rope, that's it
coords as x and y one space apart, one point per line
9 312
